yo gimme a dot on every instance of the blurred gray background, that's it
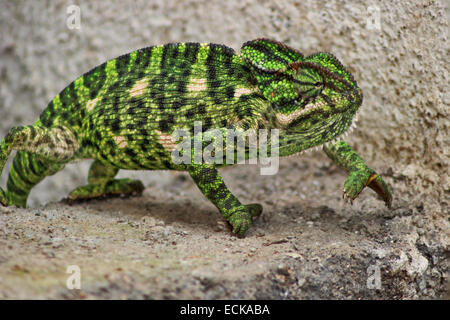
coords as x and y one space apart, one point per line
398 51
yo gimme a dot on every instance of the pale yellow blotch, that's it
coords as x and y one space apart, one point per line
288 118
121 142
139 87
58 143
91 104
196 85
167 141
240 91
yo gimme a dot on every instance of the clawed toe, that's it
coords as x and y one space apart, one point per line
378 185
347 198
255 209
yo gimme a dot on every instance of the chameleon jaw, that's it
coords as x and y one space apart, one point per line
380 187
285 119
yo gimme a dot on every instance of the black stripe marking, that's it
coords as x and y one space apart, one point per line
230 92
68 96
131 153
328 100
115 126
306 91
146 56
162 64
31 165
267 53
191 51
304 83
306 74
122 64
94 79
163 125
15 189
20 172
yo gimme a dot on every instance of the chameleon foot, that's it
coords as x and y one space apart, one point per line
114 187
360 175
241 217
358 180
255 209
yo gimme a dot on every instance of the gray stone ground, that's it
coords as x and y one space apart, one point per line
171 243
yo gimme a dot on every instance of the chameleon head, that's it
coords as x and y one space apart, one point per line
312 97
324 95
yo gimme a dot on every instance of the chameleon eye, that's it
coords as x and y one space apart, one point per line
318 84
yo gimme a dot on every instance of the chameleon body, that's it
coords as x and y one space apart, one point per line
123 112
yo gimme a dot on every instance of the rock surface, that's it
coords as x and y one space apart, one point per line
172 243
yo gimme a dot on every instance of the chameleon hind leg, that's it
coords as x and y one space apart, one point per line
41 152
213 187
360 175
102 183
27 170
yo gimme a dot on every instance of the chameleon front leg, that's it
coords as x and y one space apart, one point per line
360 175
213 187
101 182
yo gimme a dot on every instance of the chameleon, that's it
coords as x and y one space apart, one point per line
123 112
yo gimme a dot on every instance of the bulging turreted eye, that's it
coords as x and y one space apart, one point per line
308 83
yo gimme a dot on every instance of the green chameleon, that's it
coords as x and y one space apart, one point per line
123 113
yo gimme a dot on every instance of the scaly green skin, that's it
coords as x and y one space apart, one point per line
123 112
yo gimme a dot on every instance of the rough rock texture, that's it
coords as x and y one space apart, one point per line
171 243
